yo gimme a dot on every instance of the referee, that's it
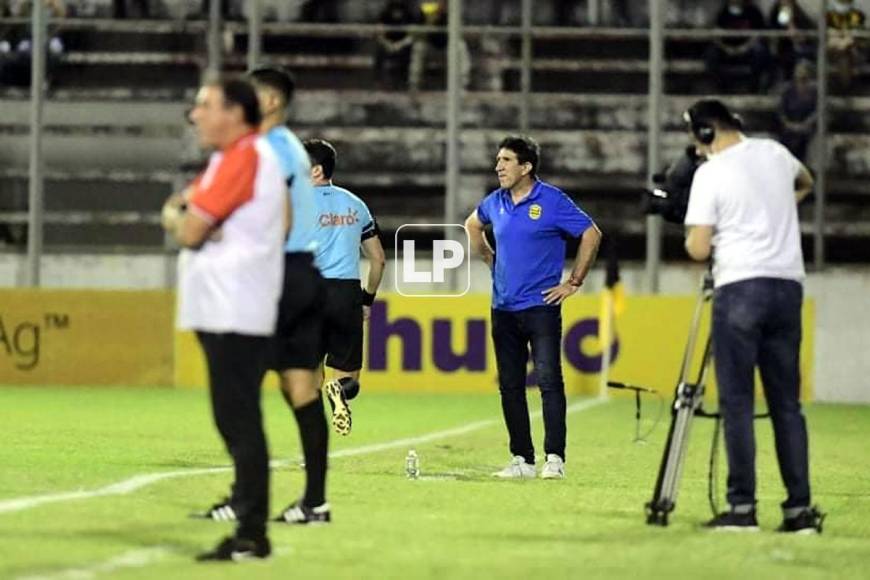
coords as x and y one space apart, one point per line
229 286
344 227
743 210
530 220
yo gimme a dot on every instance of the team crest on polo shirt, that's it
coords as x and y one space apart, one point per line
535 211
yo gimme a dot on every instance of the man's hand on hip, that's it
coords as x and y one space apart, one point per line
558 294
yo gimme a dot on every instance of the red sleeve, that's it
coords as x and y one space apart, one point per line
231 186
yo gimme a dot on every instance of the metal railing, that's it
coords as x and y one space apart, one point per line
655 66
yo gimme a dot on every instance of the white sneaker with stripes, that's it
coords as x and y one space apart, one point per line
220 512
298 513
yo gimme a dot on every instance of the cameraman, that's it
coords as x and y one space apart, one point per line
743 202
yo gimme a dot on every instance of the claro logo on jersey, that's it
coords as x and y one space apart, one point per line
339 219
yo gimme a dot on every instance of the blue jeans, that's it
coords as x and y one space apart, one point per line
757 322
512 332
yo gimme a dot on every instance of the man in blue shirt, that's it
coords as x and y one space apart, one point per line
531 221
344 225
296 345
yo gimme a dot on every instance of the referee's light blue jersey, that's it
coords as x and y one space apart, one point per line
297 171
529 242
343 222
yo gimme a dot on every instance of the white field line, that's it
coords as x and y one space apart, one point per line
139 481
132 559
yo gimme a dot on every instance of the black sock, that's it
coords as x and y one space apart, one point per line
314 434
350 387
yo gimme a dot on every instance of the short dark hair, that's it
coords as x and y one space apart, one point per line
240 93
321 152
714 112
275 78
526 148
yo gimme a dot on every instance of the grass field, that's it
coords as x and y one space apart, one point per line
456 522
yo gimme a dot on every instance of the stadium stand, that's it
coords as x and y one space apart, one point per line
115 144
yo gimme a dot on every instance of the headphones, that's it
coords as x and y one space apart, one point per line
701 115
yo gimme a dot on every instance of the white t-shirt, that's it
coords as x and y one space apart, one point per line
747 192
233 283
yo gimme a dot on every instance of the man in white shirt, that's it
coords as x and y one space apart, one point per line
743 210
231 222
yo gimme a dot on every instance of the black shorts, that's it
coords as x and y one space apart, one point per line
343 325
299 334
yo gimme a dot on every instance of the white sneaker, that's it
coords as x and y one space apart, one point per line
518 469
554 468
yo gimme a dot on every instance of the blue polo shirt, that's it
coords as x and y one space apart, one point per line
297 171
530 242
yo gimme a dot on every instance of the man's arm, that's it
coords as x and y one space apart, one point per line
803 183
586 253
374 253
188 229
477 238
699 242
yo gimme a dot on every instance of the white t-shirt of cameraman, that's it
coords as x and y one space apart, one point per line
747 193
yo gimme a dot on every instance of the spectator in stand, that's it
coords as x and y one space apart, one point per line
797 111
787 15
393 53
16 45
845 51
739 15
434 13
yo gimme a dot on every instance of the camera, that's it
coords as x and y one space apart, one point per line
670 198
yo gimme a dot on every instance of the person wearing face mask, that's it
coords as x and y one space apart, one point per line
844 50
739 15
788 16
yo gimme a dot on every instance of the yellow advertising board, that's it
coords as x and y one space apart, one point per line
87 337
93 337
443 345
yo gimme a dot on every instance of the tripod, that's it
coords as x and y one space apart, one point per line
688 401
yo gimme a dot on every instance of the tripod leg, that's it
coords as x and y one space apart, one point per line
686 401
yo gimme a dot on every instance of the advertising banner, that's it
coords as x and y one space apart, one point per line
441 344
88 337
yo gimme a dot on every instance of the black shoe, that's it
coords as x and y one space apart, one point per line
299 513
341 422
220 512
734 522
807 522
237 549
